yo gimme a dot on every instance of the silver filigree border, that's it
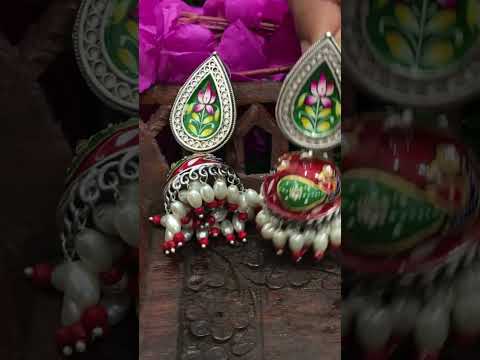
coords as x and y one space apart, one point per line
105 80
80 198
212 66
324 50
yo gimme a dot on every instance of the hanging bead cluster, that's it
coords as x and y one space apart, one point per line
205 211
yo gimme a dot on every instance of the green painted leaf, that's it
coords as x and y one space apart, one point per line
385 214
299 194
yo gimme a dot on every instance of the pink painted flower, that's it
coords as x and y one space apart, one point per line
321 90
206 98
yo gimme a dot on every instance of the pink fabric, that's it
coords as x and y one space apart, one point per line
170 51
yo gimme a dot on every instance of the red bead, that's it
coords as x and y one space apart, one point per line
168 245
203 242
155 219
93 317
112 276
185 220
242 234
243 216
212 204
64 337
199 211
78 332
179 238
232 207
230 238
211 220
42 275
195 224
220 203
214 232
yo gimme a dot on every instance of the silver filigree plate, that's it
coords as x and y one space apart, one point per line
324 51
106 80
449 85
189 134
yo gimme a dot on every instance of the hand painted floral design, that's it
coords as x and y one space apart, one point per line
423 35
318 107
203 111
121 37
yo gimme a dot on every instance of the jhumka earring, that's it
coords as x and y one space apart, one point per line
204 198
301 198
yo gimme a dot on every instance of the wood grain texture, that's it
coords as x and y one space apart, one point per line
241 302
245 93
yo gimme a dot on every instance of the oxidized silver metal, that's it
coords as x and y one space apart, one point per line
214 67
326 51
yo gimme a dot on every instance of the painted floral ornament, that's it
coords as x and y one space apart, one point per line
302 196
204 113
309 108
106 46
416 53
410 259
98 219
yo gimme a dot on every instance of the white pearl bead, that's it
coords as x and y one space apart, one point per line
172 224
220 214
71 312
194 199
238 225
262 218
195 185
220 189
242 202
102 217
374 328
432 327
309 236
320 243
178 209
81 285
59 275
226 227
404 312
296 242
267 231
233 194
182 196
336 236
466 314
94 249
168 235
208 195
280 239
127 222
202 234
252 197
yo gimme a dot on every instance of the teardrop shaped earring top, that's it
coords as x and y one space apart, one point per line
309 107
203 115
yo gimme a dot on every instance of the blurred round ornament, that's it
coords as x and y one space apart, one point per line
106 46
416 53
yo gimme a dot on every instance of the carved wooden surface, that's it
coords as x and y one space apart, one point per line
238 303
245 93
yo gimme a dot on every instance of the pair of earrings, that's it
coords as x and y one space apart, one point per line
299 203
